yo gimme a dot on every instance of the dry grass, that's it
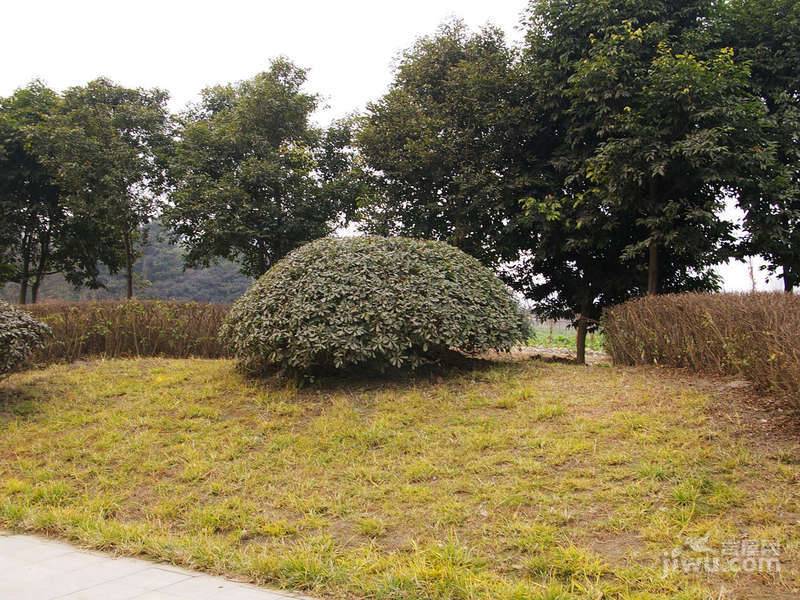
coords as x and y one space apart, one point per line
748 335
134 328
521 481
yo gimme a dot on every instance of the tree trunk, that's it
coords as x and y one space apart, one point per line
23 287
752 272
652 248
44 259
787 280
129 263
25 272
580 341
652 268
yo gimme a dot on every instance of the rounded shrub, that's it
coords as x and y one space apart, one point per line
371 301
20 335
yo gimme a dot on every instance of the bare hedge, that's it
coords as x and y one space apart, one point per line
753 336
120 329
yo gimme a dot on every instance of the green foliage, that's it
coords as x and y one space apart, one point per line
20 335
438 145
766 35
253 179
371 301
41 231
81 172
650 119
110 144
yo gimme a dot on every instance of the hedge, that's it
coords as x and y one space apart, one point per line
132 328
372 302
753 336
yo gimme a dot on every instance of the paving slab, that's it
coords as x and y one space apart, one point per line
37 568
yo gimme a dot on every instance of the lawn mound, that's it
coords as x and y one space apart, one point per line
524 480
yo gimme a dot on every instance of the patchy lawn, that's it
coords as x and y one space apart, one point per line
524 480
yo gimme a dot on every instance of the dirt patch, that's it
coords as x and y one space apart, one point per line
619 549
747 411
547 354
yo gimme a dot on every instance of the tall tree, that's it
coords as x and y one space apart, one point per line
253 179
645 118
109 146
437 144
766 35
653 118
41 231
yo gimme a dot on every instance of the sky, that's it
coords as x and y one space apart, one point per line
349 46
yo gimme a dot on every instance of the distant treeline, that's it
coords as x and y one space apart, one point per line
159 274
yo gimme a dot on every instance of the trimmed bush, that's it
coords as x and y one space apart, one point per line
371 301
20 335
130 328
753 336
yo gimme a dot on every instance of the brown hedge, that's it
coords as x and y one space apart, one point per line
752 335
119 329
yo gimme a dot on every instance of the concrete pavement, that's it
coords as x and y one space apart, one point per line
36 568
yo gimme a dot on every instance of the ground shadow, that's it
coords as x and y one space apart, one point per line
559 360
17 401
370 378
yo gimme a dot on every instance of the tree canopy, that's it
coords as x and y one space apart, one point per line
587 164
109 145
43 231
592 163
253 178
766 34
437 144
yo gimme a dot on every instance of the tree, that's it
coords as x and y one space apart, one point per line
436 145
109 146
29 197
253 179
464 148
581 165
766 34
41 231
646 119
655 120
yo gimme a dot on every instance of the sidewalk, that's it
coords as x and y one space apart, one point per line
35 568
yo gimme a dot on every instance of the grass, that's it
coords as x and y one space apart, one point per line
557 336
518 482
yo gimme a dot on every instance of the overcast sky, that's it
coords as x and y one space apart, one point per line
349 46
182 46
